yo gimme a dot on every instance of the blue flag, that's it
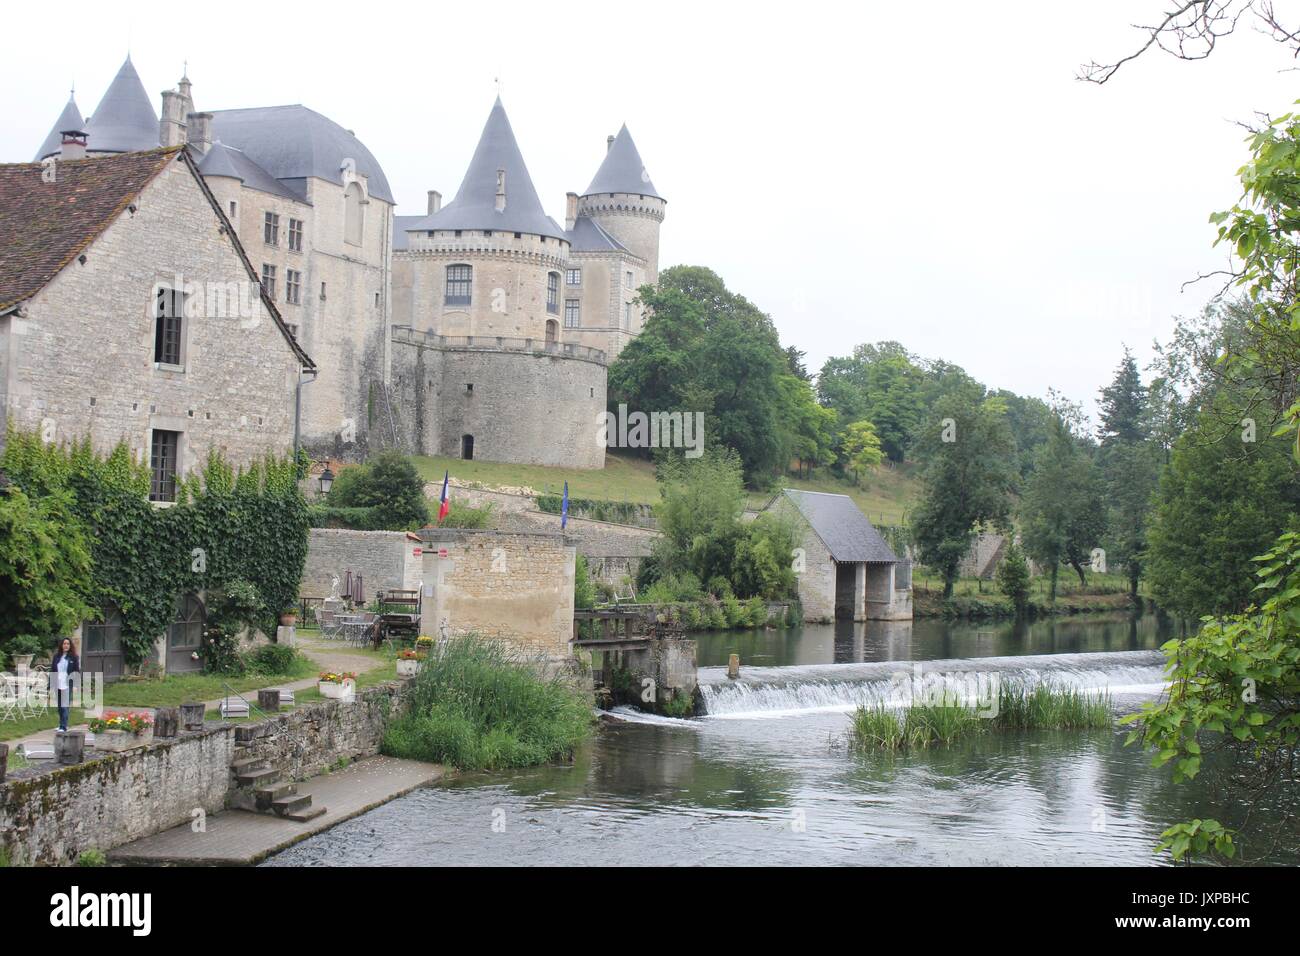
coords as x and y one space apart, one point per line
564 508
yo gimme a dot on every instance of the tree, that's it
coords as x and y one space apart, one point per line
861 447
389 485
45 570
707 349
1132 473
807 429
1013 577
1062 515
967 481
1123 404
1220 502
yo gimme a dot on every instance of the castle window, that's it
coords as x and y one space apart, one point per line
295 235
630 280
271 229
572 314
169 314
460 279
627 315
553 292
234 207
322 291
469 388
487 233
292 286
268 279
552 332
573 277
353 216
163 457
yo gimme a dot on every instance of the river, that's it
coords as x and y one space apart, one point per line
766 779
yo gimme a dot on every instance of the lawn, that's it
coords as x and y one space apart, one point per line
164 692
885 496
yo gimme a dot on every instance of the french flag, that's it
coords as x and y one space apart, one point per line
444 506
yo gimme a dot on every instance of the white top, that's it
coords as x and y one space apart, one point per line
63 673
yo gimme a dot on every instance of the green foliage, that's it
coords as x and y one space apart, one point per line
1234 686
464 516
273 660
967 480
478 707
44 567
1220 502
1013 578
861 448
1063 514
707 349
762 566
389 486
225 526
1123 404
619 512
92 857
1195 838
584 591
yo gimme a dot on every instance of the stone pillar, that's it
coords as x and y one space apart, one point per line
286 634
269 700
166 722
69 746
192 715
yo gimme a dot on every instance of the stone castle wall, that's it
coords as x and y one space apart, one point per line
385 559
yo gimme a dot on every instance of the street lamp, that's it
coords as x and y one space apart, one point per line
326 480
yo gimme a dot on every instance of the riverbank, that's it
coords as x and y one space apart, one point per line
991 605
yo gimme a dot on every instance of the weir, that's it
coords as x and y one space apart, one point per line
772 691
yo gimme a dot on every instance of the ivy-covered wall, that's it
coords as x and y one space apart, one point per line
225 527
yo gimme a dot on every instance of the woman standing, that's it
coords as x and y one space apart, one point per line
62 667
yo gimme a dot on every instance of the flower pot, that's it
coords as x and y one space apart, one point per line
408 668
116 741
23 663
334 691
288 619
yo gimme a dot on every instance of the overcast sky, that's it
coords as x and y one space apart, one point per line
932 174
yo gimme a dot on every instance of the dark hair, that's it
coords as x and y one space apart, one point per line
58 648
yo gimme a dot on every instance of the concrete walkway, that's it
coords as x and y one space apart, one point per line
241 838
325 655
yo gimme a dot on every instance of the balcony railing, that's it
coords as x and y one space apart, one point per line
496 343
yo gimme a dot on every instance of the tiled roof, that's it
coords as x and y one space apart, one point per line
842 526
46 225
621 171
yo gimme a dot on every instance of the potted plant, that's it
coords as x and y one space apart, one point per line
408 662
289 617
337 686
118 731
423 645
23 649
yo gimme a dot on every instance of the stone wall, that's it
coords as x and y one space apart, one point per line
51 818
386 559
613 551
513 586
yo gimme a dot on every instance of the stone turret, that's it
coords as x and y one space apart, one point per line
624 202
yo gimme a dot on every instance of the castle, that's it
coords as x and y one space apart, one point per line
481 329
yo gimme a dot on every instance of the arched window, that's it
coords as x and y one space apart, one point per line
552 331
185 635
354 214
460 283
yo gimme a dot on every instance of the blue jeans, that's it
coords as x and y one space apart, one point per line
63 700
63 717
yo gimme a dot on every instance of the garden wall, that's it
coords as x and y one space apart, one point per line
385 559
51 817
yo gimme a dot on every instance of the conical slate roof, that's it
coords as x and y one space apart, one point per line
70 118
475 204
124 120
622 170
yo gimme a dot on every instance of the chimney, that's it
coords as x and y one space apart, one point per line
171 125
435 201
570 211
199 131
609 143
501 190
74 144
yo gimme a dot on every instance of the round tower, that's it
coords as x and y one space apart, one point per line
624 202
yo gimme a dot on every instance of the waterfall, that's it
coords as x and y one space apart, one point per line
778 691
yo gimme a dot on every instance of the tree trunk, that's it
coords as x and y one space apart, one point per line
1133 574
1078 569
1051 590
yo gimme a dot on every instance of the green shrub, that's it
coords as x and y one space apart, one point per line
733 611
273 660
92 858
465 516
477 706
387 483
756 612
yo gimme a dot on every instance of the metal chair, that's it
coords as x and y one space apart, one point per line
9 702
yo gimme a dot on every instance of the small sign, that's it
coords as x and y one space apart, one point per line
419 551
442 552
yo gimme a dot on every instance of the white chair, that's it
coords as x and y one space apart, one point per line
9 702
233 708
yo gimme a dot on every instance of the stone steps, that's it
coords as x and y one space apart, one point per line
261 789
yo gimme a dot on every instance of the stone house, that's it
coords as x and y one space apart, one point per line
314 212
845 568
129 312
